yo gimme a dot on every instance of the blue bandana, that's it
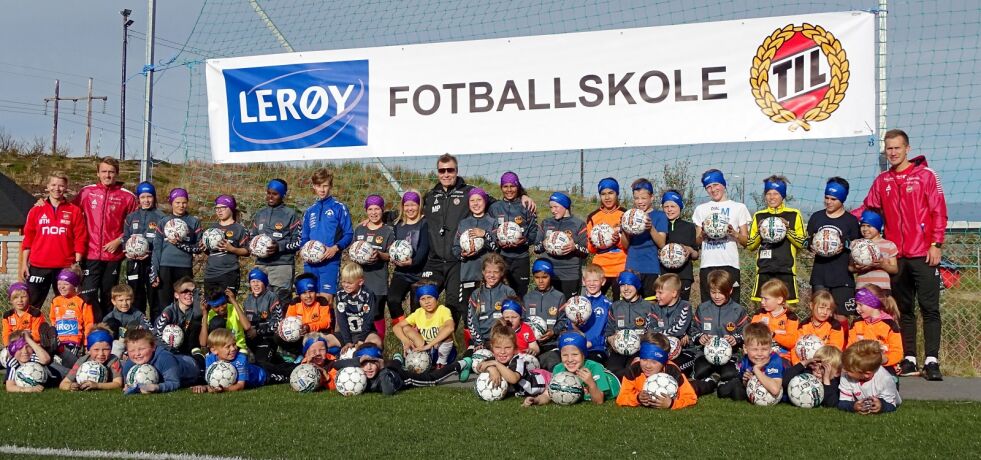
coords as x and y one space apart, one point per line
309 343
573 338
305 284
511 305
97 336
277 186
427 289
778 185
562 199
644 185
631 279
368 352
872 218
609 183
258 274
836 190
713 177
221 300
674 197
543 265
146 187
651 351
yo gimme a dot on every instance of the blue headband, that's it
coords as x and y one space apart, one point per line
309 343
651 351
629 278
673 196
221 300
543 265
609 183
368 352
644 185
277 186
713 177
872 218
573 338
427 289
834 189
562 199
258 274
511 305
778 185
146 187
97 336
304 285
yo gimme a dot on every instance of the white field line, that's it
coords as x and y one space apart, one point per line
51 452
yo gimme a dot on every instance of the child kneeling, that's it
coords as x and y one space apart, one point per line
600 384
99 342
653 359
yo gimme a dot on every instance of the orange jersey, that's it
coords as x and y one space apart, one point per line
612 260
829 332
72 318
316 317
886 332
30 320
630 388
784 328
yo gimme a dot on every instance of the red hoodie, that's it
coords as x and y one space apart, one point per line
105 210
913 207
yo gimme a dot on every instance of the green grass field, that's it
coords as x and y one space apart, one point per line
274 422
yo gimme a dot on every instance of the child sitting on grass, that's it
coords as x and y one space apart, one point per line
22 317
99 342
759 361
391 377
357 308
599 383
71 316
878 321
512 313
866 387
428 329
776 315
653 359
821 324
509 368
222 346
23 349
176 371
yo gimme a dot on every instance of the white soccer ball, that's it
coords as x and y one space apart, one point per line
716 226
759 395
490 391
259 246
661 384
480 356
538 325
221 374
417 361
347 354
470 244
626 342
306 378
827 241
578 309
91 371
400 251
772 230
137 247
675 344
531 362
351 381
672 255
805 390
865 252
807 346
509 233
313 252
172 336
176 229
603 236
211 237
30 375
718 351
555 242
565 388
290 327
634 221
142 374
4 356
361 252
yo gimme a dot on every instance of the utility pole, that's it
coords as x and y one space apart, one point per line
54 130
148 102
88 124
122 86
88 118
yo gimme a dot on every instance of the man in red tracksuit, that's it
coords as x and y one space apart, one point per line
911 199
54 238
106 205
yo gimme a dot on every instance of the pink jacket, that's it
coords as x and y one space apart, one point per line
105 211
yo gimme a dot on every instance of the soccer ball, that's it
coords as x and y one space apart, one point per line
480 356
531 362
865 252
772 230
4 356
718 351
826 242
759 395
30 374
91 371
290 327
347 354
305 378
556 242
490 391
417 361
313 252
470 244
672 255
565 388
716 226
176 229
805 390
361 252
211 237
578 309
661 384
259 246
172 336
634 221
400 251
626 342
509 233
807 346
351 381
142 374
675 344
537 325
603 236
137 247
221 374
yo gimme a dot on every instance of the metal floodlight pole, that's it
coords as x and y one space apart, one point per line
148 101
122 85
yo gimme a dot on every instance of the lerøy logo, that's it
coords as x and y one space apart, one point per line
323 104
810 69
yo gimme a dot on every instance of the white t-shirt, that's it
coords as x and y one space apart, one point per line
725 252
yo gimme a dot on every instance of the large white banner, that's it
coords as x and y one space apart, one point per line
781 78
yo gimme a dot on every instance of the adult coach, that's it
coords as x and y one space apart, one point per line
911 199
723 253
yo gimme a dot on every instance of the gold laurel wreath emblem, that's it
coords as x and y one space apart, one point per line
760 74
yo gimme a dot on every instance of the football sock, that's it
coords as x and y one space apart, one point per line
912 359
